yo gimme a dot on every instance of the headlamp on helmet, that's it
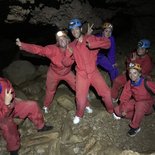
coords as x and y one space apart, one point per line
135 66
144 43
107 25
61 34
74 23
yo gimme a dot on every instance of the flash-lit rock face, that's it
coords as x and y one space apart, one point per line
40 13
60 12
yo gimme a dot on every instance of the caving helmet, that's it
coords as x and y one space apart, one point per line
61 34
107 25
135 66
74 23
144 43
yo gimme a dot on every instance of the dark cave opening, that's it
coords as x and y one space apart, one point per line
37 34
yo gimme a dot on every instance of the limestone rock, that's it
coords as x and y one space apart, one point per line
66 102
19 71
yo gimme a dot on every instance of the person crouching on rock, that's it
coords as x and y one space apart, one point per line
135 100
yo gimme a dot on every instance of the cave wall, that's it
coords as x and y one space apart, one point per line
132 20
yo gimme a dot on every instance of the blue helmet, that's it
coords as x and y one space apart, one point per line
144 43
74 23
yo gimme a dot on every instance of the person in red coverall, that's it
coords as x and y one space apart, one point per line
135 100
11 107
57 70
85 49
140 56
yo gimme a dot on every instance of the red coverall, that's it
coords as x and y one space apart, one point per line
119 82
137 106
87 73
57 70
20 109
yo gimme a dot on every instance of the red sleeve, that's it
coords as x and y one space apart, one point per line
68 59
40 50
151 85
147 66
98 42
126 95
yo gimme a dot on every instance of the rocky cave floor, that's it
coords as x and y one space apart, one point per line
97 134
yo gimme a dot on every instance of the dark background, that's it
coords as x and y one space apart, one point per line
123 20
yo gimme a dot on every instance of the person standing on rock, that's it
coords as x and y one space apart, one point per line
57 70
84 49
135 100
107 60
12 107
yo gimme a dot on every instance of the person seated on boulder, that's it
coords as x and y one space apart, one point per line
107 60
140 56
135 100
11 107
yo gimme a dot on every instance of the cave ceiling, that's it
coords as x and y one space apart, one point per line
59 12
25 18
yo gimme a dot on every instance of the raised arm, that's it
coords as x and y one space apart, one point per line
94 42
36 49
